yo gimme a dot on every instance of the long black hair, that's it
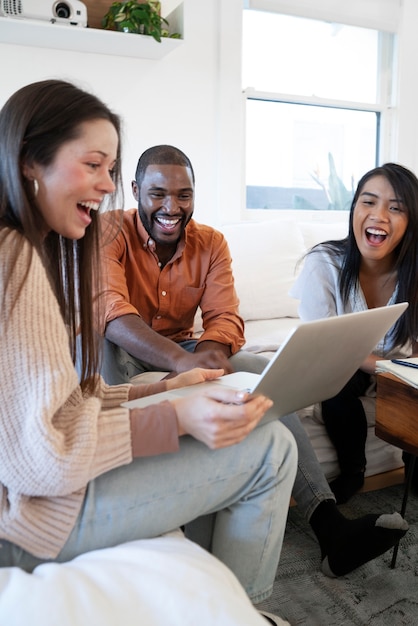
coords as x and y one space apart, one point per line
405 186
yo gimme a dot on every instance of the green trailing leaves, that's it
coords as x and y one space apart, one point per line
141 18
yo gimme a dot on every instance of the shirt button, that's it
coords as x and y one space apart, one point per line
163 293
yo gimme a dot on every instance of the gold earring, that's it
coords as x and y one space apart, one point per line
35 187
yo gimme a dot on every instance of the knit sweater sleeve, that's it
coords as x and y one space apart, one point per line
53 440
154 429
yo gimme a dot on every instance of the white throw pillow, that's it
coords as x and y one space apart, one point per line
317 232
153 582
264 261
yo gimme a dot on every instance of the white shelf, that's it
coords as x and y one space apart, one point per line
66 37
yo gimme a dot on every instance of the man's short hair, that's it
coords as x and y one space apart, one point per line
161 155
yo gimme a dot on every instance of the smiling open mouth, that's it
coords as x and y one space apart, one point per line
167 223
375 235
88 206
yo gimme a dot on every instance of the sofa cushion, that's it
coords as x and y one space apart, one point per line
316 232
264 261
166 580
266 336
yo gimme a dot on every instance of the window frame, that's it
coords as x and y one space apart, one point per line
383 107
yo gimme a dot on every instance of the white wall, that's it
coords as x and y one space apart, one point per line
192 98
407 97
172 100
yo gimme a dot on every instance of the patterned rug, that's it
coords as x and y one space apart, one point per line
372 595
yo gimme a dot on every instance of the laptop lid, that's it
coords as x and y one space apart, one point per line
321 356
313 364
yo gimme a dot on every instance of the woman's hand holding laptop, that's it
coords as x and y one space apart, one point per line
220 417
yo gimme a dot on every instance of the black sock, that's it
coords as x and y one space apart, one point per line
346 544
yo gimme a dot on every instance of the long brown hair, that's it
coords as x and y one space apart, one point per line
34 123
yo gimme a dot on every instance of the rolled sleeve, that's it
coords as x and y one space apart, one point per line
154 430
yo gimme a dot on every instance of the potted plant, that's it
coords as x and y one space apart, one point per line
142 18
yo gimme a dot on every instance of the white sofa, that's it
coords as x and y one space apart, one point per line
266 259
169 580
154 582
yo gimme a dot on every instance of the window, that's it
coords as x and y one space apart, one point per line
315 97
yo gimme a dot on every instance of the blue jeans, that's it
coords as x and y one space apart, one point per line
311 487
245 489
119 366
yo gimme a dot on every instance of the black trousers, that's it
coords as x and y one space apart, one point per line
346 423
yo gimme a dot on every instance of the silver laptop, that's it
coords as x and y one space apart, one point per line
313 364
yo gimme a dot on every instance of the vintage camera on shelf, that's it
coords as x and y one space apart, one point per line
72 13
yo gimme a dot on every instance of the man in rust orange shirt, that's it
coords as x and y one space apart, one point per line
160 269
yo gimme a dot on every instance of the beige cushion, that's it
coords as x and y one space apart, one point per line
264 260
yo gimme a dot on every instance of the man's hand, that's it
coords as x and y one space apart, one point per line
132 334
220 418
193 377
206 359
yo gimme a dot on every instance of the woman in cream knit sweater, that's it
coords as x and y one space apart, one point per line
78 471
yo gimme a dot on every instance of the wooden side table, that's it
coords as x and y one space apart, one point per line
397 423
